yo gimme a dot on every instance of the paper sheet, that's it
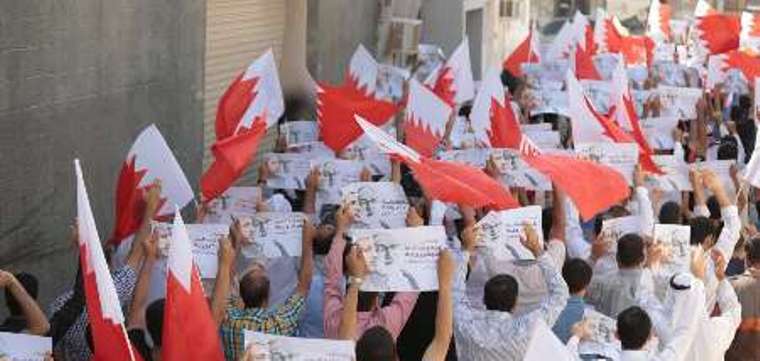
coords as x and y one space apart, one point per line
376 204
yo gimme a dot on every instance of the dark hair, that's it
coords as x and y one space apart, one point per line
577 274
633 328
701 227
630 250
30 285
154 321
500 293
728 151
753 251
547 220
714 206
510 81
615 211
254 290
376 344
464 110
670 213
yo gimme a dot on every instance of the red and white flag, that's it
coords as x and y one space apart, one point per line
251 104
453 82
718 33
109 337
585 124
492 118
526 52
749 38
362 71
606 35
563 42
583 65
149 159
441 180
747 63
190 332
426 118
584 33
658 21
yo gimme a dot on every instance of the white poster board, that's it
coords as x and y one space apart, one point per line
365 151
721 168
288 170
312 150
23 347
548 101
500 233
273 348
300 132
602 340
547 139
376 204
676 177
205 240
334 174
515 172
622 157
401 260
659 131
676 238
235 202
273 235
475 157
544 345
613 229
679 102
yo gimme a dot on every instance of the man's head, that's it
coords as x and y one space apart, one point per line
753 252
633 328
325 230
500 293
670 213
376 344
29 283
154 320
254 287
513 83
728 148
630 251
701 229
614 212
577 274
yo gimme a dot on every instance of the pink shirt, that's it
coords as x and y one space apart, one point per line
392 317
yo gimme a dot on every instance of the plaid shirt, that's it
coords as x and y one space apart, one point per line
281 321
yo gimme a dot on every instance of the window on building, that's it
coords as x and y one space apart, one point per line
509 8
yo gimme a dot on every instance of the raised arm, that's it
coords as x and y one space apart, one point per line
556 300
36 322
725 325
306 273
357 270
136 318
558 215
444 315
687 305
152 199
310 195
227 254
646 211
730 214
333 294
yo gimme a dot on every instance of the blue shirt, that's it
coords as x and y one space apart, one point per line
572 314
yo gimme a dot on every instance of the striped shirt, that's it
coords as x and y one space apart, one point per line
282 321
483 335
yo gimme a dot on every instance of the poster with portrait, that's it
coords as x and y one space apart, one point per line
390 82
500 233
659 131
548 101
273 235
676 239
602 340
205 240
300 132
514 172
676 174
401 260
23 347
376 204
363 150
312 150
288 170
462 134
334 174
679 101
269 347
622 157
234 202
615 228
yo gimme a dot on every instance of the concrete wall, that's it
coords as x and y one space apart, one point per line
335 28
443 23
81 78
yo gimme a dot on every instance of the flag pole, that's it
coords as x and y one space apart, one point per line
129 344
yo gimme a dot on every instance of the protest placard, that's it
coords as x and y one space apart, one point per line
273 235
300 132
602 340
598 92
721 168
676 174
659 131
269 347
715 73
679 101
205 240
365 151
500 233
537 127
605 64
546 101
549 139
335 174
23 347
613 229
390 82
676 239
621 157
376 204
664 52
514 172
288 170
462 135
313 150
236 201
476 157
401 260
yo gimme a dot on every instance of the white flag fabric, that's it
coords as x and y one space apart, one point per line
268 100
363 69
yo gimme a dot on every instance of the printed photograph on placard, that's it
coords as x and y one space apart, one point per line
273 348
676 239
274 235
401 260
376 204
501 233
334 174
621 157
234 201
287 170
613 229
23 347
300 132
